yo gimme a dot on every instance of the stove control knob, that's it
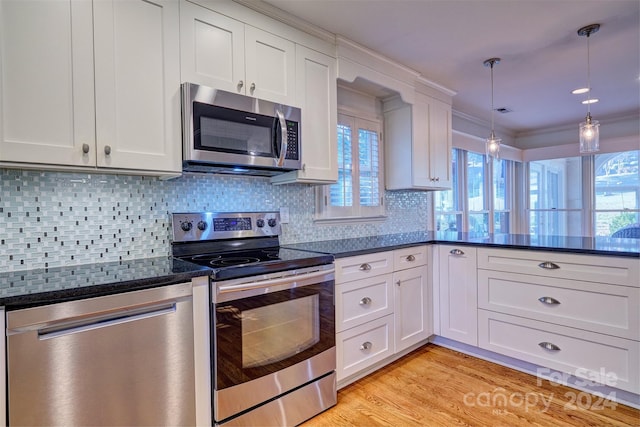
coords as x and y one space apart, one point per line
202 225
272 222
260 223
186 226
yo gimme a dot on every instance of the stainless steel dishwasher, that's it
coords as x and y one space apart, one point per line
124 359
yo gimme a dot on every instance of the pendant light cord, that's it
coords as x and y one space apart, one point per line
588 78
492 131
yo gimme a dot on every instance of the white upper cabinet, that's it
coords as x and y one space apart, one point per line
212 48
418 144
46 82
48 86
316 93
137 60
223 53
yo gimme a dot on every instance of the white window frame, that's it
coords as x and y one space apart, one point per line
489 200
555 209
325 212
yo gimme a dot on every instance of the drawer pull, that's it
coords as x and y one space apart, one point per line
365 267
411 258
365 301
456 252
548 265
549 346
548 300
366 346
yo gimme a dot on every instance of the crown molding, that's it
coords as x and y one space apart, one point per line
287 18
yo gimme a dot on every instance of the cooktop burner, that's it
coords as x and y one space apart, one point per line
237 245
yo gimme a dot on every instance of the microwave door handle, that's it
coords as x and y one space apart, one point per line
283 142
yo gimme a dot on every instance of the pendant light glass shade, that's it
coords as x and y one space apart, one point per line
493 143
493 146
589 135
589 129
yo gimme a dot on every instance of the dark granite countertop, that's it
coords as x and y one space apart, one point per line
19 289
606 246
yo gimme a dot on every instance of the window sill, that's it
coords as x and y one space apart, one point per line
349 220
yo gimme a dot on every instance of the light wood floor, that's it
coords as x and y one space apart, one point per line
434 386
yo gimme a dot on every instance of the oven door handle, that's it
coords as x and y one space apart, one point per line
273 282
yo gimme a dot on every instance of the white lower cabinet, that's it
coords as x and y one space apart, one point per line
595 357
573 313
458 293
410 307
362 346
382 302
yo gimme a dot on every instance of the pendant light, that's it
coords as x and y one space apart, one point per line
493 143
589 129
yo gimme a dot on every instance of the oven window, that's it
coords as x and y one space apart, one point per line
263 334
276 332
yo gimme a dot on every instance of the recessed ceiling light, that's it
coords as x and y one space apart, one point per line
579 91
590 101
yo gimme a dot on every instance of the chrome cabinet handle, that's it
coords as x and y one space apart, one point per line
548 265
107 149
364 267
366 346
283 141
456 252
437 178
252 88
365 301
398 283
240 84
548 300
411 258
85 148
549 346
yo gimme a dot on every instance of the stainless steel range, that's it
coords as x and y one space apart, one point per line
273 318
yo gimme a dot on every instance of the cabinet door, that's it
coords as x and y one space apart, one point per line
270 66
316 94
458 294
440 144
46 82
411 307
212 49
138 84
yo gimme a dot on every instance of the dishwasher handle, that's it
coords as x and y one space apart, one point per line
85 311
99 322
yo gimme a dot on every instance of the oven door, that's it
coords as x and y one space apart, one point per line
270 337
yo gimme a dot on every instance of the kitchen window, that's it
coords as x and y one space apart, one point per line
617 193
358 193
481 191
596 195
555 197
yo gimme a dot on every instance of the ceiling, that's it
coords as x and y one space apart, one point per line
543 58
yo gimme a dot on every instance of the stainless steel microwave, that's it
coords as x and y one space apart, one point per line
225 132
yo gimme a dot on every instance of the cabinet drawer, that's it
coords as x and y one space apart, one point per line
595 357
359 301
409 257
363 346
363 266
597 307
590 268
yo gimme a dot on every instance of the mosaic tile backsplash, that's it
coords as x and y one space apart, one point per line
50 219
